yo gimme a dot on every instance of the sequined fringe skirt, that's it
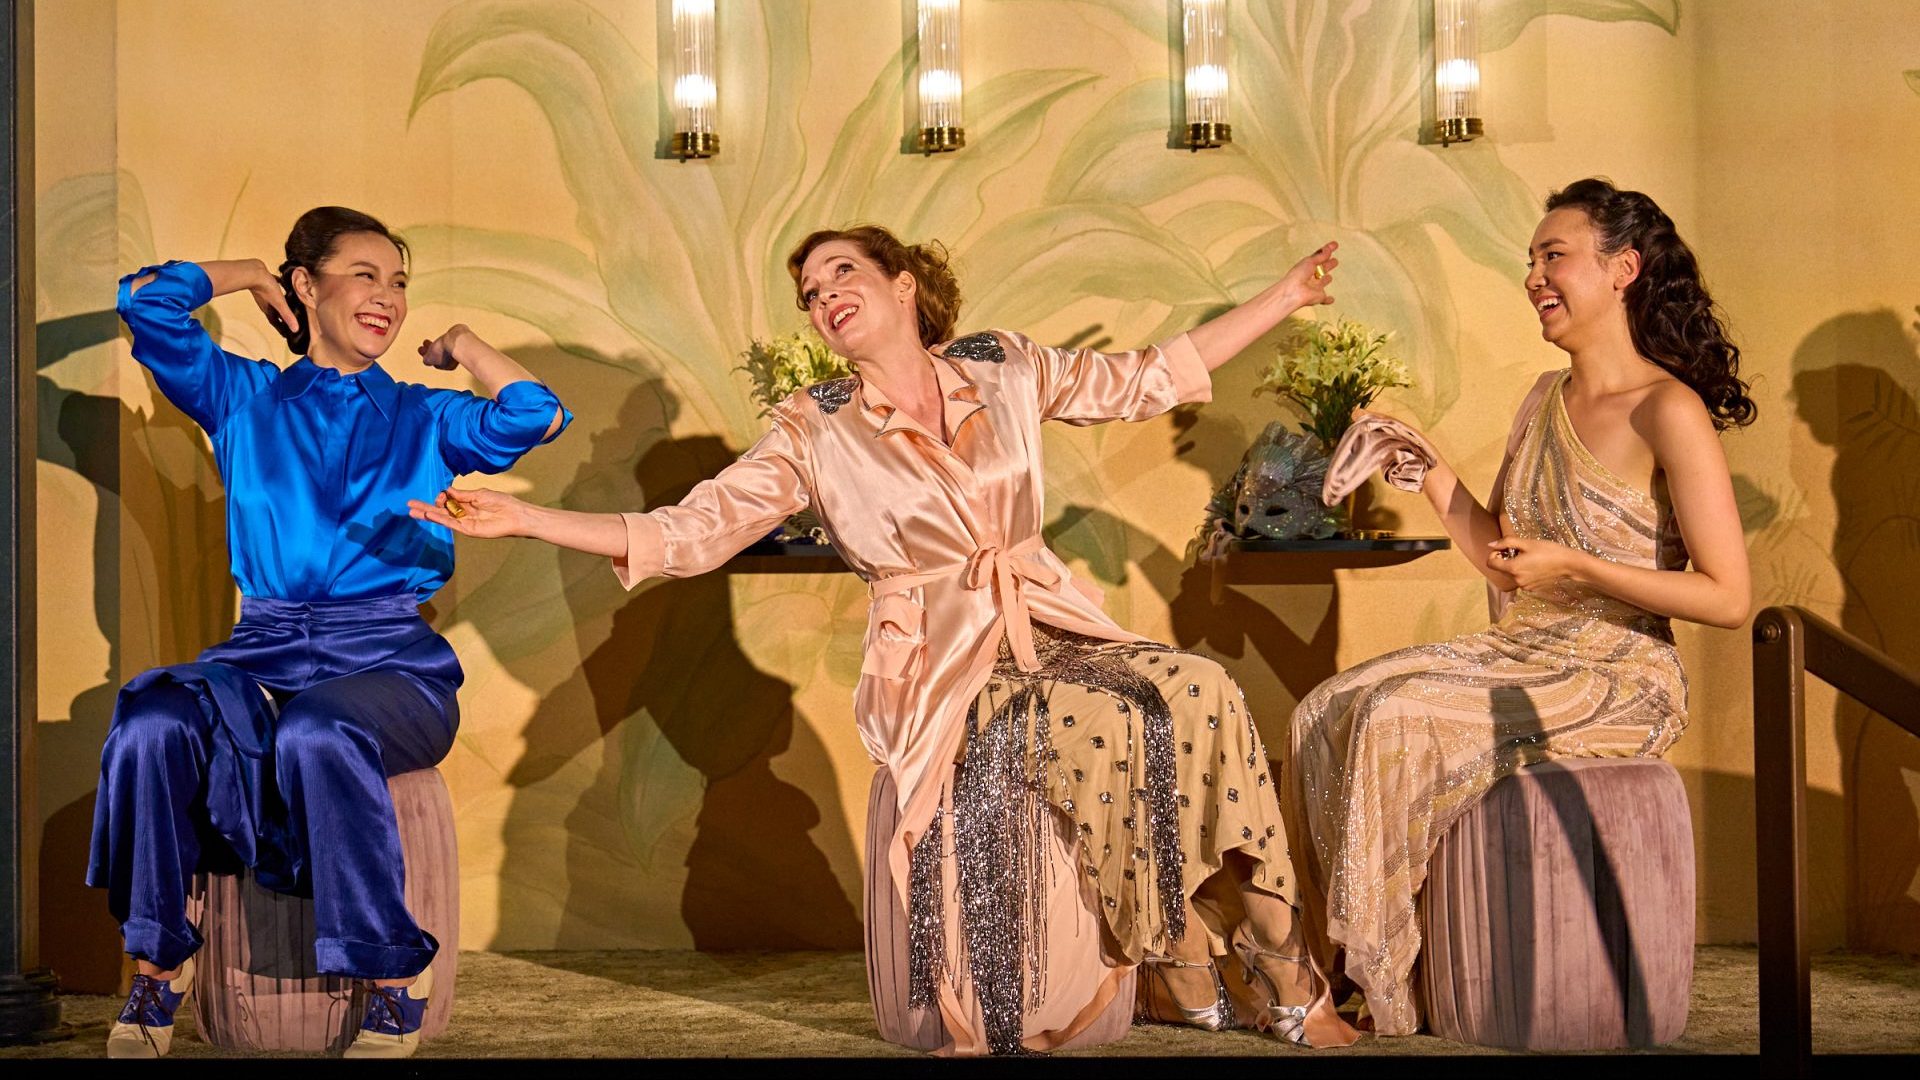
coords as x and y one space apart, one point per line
1148 758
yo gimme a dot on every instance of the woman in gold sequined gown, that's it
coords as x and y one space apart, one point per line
1614 478
1074 802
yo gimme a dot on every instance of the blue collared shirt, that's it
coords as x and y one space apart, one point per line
319 466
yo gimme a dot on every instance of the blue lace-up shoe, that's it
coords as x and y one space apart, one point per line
145 1027
394 1016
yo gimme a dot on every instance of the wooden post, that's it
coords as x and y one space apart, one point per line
1780 794
29 1008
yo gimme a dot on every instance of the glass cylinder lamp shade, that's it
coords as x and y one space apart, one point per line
1204 26
696 93
1456 70
941 125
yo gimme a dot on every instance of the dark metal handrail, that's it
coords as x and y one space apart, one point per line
1789 642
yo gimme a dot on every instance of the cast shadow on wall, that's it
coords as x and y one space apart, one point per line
668 688
175 575
1241 624
1849 391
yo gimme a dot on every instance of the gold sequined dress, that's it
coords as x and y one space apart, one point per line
1388 754
1112 780
1062 785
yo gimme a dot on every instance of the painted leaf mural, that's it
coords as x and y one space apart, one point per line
661 296
610 738
1328 109
661 290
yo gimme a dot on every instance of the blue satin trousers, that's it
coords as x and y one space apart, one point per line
272 752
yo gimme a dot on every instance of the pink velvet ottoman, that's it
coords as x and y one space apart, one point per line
887 981
256 988
1558 914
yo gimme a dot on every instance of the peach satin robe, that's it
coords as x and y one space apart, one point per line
947 536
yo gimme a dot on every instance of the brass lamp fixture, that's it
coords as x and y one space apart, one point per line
1456 71
1204 26
696 93
941 127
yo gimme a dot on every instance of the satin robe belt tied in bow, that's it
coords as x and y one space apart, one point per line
1004 570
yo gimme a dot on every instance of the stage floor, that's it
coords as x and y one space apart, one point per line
673 1004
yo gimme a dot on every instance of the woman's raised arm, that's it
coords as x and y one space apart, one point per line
1226 335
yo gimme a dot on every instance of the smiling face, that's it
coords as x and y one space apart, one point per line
356 301
854 305
1577 291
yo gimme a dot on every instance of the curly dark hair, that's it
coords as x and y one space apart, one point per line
937 300
1673 321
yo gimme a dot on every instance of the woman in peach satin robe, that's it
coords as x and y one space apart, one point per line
1613 481
1092 801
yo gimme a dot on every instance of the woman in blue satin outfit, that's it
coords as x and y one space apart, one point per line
273 750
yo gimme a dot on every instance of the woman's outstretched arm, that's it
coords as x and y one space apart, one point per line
717 519
483 512
1225 336
1086 386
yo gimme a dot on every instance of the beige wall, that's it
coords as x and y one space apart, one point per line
676 766
1804 181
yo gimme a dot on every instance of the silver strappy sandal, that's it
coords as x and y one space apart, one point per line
1155 1000
1287 1021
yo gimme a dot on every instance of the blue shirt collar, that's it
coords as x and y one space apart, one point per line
380 387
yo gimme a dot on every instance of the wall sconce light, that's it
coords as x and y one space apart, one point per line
941 126
695 91
1204 26
1456 71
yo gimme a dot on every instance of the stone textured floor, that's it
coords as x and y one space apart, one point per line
671 1004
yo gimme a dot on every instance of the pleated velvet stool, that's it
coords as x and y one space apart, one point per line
257 989
1558 914
887 968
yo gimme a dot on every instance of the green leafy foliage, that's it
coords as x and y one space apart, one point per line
1327 370
782 365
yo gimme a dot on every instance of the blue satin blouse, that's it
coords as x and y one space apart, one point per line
319 466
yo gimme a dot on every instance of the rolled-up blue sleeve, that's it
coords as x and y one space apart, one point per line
203 380
488 435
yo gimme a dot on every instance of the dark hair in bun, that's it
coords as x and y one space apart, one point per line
312 242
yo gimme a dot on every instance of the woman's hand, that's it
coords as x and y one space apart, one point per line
479 512
267 293
1222 337
1308 281
1533 563
440 352
1419 437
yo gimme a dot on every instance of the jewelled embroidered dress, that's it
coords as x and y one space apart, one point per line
1101 778
1390 753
